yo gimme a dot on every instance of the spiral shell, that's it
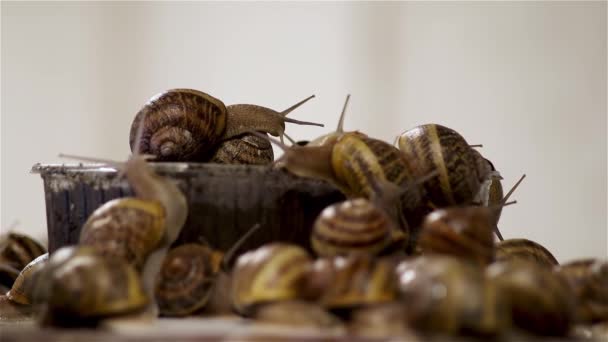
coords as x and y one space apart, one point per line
128 228
465 232
541 300
351 226
446 294
179 125
357 280
247 149
589 280
524 250
186 279
18 250
438 148
273 272
21 291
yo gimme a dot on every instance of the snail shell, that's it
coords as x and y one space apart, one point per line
357 280
589 280
128 228
103 286
246 149
462 232
524 250
179 125
21 291
445 294
351 226
297 313
382 321
541 300
186 279
18 250
273 272
438 148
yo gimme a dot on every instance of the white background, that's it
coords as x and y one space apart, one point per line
526 80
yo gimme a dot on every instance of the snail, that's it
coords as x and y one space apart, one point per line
382 321
8 275
353 226
22 290
459 231
354 281
246 149
82 287
491 195
588 279
448 295
524 249
17 250
187 124
129 228
152 188
541 300
189 278
274 272
298 313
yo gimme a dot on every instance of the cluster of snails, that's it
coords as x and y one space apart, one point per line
412 248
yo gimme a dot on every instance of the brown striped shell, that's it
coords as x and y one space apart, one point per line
352 226
8 275
445 294
589 280
271 273
381 322
22 290
356 281
438 148
525 250
179 125
18 250
541 300
128 228
246 149
186 279
464 232
297 313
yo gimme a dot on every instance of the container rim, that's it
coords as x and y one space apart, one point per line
163 167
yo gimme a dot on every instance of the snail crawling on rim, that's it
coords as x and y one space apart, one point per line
589 280
188 125
22 290
77 287
449 295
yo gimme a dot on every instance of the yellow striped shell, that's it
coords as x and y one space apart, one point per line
356 280
128 228
438 148
273 272
179 125
186 278
352 226
18 250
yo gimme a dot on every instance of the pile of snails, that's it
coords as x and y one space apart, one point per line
414 250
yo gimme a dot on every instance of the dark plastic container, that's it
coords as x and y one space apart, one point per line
224 201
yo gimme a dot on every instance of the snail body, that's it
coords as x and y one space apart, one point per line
187 124
22 290
465 232
352 226
541 300
524 250
271 273
129 228
18 250
186 278
588 279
